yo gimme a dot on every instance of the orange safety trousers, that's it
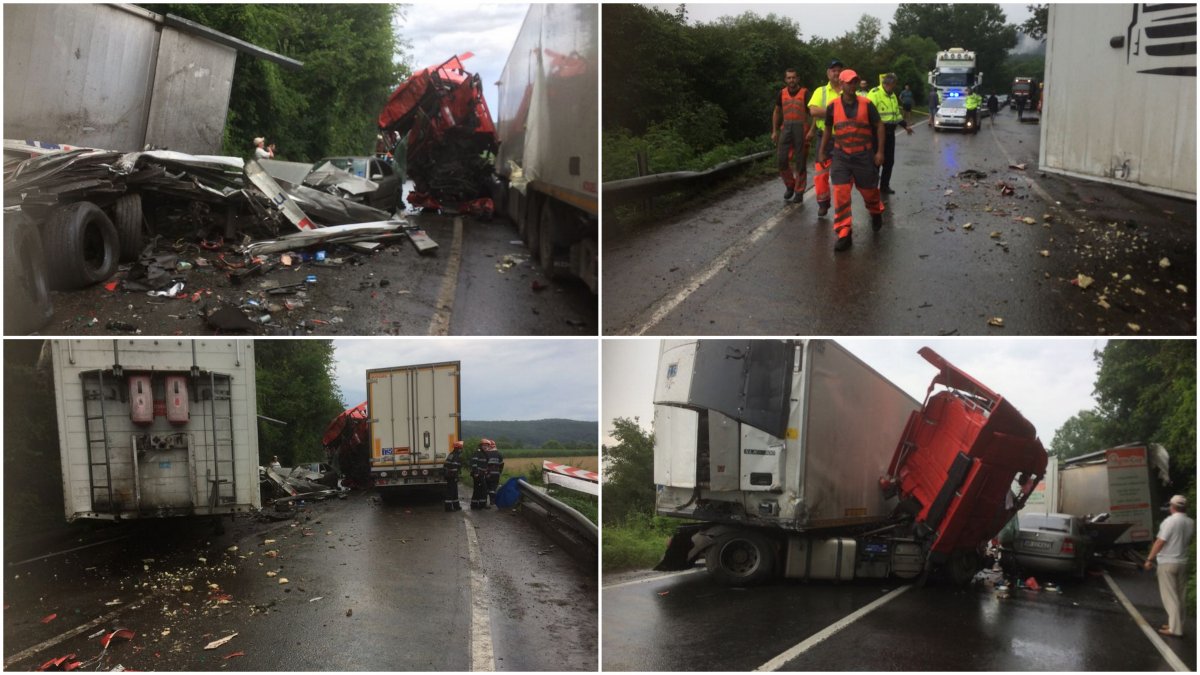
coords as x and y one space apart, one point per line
860 172
821 177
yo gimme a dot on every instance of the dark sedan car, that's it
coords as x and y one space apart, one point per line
389 184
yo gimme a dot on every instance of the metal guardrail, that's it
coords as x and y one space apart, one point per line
633 189
578 521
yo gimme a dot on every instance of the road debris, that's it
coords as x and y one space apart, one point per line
217 643
118 634
233 655
996 321
1082 280
49 618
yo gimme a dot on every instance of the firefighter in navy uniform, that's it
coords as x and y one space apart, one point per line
451 468
479 484
495 465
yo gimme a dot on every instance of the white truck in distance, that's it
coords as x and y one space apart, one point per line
954 71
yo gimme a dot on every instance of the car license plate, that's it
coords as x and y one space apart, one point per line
1040 545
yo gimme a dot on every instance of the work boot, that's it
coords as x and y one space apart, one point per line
787 196
843 243
799 197
876 221
821 212
887 190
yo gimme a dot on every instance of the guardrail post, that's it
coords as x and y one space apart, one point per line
643 169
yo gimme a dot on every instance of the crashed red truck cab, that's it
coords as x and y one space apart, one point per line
801 461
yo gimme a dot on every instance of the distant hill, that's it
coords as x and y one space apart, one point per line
533 433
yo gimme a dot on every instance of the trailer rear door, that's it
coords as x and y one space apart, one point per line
414 414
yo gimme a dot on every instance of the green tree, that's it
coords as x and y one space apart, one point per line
981 28
645 52
552 445
1084 432
295 380
1146 391
628 472
1035 26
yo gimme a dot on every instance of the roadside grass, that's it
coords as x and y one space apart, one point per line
543 452
638 543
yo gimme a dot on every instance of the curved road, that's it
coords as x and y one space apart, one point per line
749 264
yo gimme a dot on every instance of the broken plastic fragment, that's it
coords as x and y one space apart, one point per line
1028 221
994 235
968 226
217 643
282 580
118 634
1164 263
996 321
1103 302
1181 288
1083 281
1134 327
48 619
233 655
1045 253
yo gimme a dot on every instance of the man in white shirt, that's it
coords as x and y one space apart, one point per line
1170 548
261 152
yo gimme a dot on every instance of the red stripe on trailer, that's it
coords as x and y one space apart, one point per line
574 472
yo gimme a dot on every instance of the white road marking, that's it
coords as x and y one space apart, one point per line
22 655
70 550
483 658
657 577
781 660
668 305
1172 659
440 324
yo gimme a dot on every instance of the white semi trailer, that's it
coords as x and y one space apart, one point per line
414 417
156 428
547 127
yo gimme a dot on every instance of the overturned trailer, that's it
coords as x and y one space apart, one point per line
766 443
156 428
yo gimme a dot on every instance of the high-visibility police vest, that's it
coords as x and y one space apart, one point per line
821 98
973 101
793 106
852 136
887 105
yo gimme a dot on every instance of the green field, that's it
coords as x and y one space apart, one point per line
638 543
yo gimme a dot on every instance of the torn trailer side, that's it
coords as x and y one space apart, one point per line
765 442
153 429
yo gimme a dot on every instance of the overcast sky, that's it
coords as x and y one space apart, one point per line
1047 380
437 31
815 19
501 379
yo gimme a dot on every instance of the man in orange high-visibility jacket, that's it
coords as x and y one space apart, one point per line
789 131
817 105
855 147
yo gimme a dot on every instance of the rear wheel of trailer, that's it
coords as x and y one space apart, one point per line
741 558
81 245
127 216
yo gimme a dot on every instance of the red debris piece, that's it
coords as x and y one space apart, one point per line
48 619
111 285
214 245
1032 584
62 663
118 634
233 655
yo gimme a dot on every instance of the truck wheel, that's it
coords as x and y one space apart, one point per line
740 559
127 216
545 249
27 305
962 566
533 214
81 246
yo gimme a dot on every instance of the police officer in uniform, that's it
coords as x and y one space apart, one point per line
479 471
973 102
888 105
495 465
451 468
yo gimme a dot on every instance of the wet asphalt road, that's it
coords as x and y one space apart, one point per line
486 287
394 582
749 264
685 622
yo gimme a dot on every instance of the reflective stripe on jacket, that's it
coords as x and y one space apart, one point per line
821 98
887 105
852 136
794 108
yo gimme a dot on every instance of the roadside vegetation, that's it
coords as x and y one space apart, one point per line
633 537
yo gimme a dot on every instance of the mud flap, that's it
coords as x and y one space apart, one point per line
678 554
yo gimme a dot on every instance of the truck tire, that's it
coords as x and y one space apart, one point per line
27 306
962 566
545 249
81 246
533 215
127 216
741 558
